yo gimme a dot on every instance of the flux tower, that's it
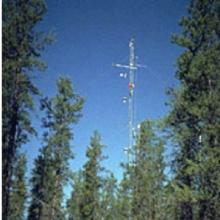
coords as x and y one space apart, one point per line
132 68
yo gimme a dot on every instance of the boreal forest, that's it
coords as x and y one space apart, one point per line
44 184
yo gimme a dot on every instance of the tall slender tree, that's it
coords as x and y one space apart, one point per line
124 195
42 184
92 182
73 204
18 193
51 170
21 46
108 205
195 113
148 174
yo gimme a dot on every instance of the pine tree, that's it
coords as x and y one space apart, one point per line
168 211
51 170
108 199
73 204
42 184
21 46
195 113
124 194
18 193
92 182
148 174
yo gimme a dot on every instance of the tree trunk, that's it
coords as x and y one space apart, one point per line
8 151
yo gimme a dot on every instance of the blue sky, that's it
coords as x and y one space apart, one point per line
93 34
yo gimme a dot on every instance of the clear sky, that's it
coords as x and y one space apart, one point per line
93 34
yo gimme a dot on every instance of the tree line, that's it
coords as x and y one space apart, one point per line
190 191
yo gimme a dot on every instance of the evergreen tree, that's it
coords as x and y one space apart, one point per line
168 202
108 199
51 170
73 204
42 184
92 182
124 194
21 46
19 191
148 174
195 113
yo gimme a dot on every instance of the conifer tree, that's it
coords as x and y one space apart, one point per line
124 194
51 170
148 174
195 113
42 184
73 204
92 182
21 46
168 202
18 193
108 199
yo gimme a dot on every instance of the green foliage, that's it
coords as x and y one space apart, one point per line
19 191
193 191
148 174
108 201
42 184
21 47
195 113
51 170
90 204
73 204
124 195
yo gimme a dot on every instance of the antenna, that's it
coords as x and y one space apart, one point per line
132 67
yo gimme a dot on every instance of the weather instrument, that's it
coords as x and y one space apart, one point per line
129 99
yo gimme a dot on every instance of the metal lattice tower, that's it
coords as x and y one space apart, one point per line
132 67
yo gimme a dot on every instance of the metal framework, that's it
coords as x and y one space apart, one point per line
132 67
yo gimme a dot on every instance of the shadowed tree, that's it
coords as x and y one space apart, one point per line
92 182
73 204
51 171
21 46
148 174
124 193
194 118
18 193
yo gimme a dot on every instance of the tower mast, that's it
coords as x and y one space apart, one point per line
132 67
